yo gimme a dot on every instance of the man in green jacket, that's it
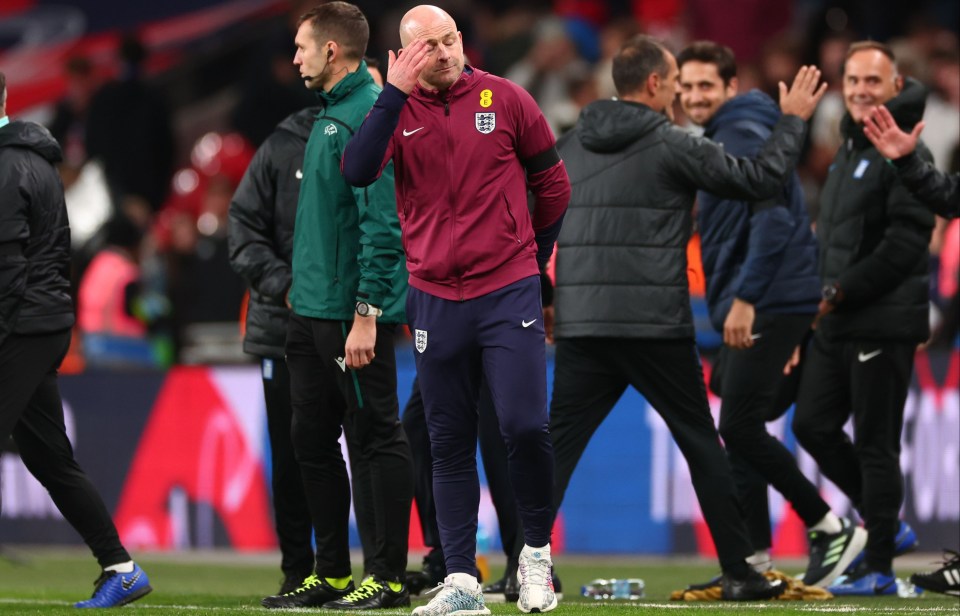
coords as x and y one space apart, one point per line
347 297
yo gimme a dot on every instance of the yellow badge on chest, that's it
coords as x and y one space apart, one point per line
486 98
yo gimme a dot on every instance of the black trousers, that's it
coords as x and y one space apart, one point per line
591 375
291 513
751 387
493 452
868 380
326 397
32 411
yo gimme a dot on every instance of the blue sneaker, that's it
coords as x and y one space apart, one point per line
869 584
114 589
905 541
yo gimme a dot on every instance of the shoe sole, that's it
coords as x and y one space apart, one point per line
854 548
537 610
497 598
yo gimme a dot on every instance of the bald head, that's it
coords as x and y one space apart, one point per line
421 18
444 44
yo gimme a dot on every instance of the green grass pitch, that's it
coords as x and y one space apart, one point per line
48 581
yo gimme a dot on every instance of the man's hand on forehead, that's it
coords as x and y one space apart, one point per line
403 67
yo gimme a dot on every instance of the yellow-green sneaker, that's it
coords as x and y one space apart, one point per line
372 594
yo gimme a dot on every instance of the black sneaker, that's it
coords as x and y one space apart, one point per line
372 594
944 580
500 586
292 581
831 553
313 592
754 587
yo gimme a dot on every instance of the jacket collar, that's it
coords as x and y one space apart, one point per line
466 82
346 86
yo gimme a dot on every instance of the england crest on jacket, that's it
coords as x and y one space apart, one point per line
420 340
486 122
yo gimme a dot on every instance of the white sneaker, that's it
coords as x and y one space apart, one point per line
536 583
459 595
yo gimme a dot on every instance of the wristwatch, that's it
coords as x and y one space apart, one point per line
831 293
366 310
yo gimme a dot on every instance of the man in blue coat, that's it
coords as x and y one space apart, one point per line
760 261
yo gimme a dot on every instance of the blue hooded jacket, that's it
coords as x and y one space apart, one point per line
761 252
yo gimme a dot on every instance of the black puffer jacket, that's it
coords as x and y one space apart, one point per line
261 219
874 235
34 234
622 265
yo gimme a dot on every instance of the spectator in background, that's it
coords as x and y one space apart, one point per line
271 89
69 124
760 260
36 313
552 66
129 131
874 312
189 256
110 311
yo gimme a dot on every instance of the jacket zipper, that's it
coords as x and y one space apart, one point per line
450 197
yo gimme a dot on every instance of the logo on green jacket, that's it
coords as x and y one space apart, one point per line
330 129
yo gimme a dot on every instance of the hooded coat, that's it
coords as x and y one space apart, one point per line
621 262
34 234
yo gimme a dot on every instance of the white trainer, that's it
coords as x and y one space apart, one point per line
536 581
459 595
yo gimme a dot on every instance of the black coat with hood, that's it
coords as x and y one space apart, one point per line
621 262
261 219
34 234
874 236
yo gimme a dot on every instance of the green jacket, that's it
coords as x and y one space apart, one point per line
346 242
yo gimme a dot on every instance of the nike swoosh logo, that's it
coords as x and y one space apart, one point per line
528 323
128 583
299 174
340 362
878 589
868 356
407 133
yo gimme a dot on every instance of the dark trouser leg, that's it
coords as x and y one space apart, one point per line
515 369
380 457
584 392
823 406
668 374
448 369
754 503
878 392
752 379
493 452
318 410
292 516
31 409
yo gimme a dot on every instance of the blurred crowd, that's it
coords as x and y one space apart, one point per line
149 185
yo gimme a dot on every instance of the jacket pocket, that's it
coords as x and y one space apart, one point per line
515 228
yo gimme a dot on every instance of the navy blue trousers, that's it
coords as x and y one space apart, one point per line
498 337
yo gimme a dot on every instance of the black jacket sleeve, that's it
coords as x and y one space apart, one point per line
252 237
939 190
703 164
